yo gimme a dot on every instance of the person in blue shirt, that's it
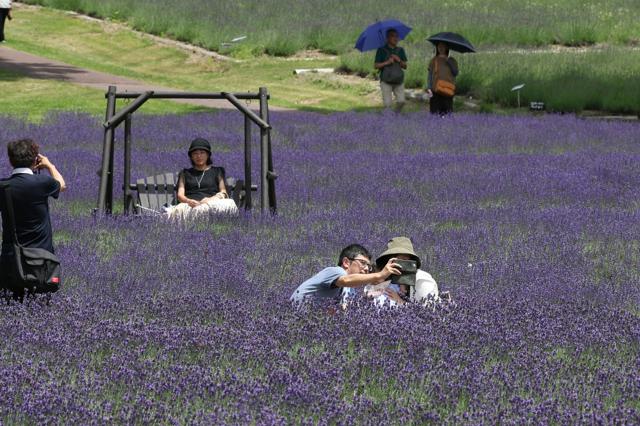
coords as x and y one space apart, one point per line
353 270
30 194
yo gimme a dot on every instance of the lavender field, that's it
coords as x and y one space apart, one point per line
531 223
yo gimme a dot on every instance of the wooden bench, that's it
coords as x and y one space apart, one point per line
156 192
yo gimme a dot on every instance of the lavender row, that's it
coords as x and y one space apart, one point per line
531 223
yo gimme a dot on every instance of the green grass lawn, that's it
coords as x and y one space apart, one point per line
573 80
33 99
117 50
567 80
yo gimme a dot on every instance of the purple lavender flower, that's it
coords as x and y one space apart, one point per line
530 222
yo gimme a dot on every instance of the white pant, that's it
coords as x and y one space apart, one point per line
216 206
388 90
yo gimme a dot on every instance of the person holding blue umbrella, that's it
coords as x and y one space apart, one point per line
391 59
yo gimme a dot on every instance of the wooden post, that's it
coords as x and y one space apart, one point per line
271 176
128 200
247 163
264 159
106 173
109 199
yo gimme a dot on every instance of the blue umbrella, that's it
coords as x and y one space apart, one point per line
375 36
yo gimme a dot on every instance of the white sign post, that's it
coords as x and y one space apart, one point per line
517 89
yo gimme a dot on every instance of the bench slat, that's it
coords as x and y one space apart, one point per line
143 195
170 180
153 194
161 190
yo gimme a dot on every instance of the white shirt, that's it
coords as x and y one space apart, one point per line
425 290
21 170
5 4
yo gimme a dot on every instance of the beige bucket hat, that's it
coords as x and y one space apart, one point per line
396 246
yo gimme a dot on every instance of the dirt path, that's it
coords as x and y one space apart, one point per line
38 67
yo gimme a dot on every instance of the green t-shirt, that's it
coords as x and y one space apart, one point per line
383 53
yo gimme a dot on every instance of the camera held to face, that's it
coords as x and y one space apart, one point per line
408 269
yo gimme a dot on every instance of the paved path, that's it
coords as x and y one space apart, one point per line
48 69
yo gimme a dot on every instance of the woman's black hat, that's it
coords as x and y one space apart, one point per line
200 143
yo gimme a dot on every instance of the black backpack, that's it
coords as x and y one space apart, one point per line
392 74
35 270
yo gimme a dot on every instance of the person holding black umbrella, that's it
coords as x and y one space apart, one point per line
391 60
443 70
441 82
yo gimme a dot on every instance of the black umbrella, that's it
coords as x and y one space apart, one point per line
454 40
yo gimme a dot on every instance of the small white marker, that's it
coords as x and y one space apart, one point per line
517 89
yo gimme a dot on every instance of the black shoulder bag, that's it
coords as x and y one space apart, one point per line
37 270
392 74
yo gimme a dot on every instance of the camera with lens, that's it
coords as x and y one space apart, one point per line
408 269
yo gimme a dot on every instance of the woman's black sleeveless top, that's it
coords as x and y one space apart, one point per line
199 185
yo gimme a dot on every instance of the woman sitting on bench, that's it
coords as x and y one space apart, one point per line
201 189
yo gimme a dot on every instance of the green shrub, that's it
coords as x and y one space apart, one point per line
568 81
333 25
280 45
486 107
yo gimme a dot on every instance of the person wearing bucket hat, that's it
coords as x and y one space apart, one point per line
201 188
413 284
334 283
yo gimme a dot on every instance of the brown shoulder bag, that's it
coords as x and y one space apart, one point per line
442 87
